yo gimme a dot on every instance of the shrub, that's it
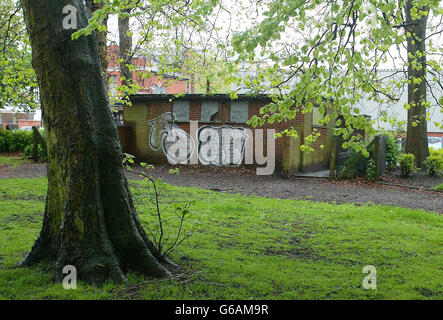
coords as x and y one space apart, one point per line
392 152
434 163
438 152
20 141
359 168
407 164
29 150
15 140
4 146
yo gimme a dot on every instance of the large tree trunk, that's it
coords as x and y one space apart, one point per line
417 131
89 221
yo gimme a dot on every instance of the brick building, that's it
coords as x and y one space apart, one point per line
167 83
148 120
13 119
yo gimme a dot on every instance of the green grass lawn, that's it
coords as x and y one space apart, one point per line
439 187
248 247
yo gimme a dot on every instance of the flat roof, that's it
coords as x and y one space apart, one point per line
145 97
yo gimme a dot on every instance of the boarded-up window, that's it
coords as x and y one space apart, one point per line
239 111
208 111
181 110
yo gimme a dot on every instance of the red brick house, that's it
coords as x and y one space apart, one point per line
152 84
138 135
17 119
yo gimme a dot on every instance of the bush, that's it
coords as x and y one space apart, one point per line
392 153
4 146
21 141
434 163
15 140
438 152
359 169
29 150
407 164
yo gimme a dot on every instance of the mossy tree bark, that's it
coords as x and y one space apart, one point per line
89 221
417 129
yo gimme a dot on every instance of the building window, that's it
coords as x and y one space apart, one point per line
158 90
208 111
180 110
239 111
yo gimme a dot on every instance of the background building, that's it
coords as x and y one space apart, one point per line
395 110
153 84
147 121
17 118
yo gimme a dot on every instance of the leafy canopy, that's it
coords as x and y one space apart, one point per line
18 83
326 53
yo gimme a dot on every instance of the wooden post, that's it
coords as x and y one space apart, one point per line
376 157
302 141
332 157
35 146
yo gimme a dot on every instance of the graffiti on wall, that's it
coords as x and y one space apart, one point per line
176 143
220 146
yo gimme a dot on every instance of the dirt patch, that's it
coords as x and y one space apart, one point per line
27 170
227 244
301 253
426 292
11 154
32 218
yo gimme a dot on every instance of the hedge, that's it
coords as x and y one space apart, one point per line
15 140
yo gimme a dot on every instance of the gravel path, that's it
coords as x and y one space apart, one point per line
246 182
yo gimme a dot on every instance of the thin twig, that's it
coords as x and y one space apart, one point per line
176 276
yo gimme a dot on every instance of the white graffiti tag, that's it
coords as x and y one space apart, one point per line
221 146
175 142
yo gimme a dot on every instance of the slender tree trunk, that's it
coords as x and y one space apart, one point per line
417 131
89 221
125 44
102 39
